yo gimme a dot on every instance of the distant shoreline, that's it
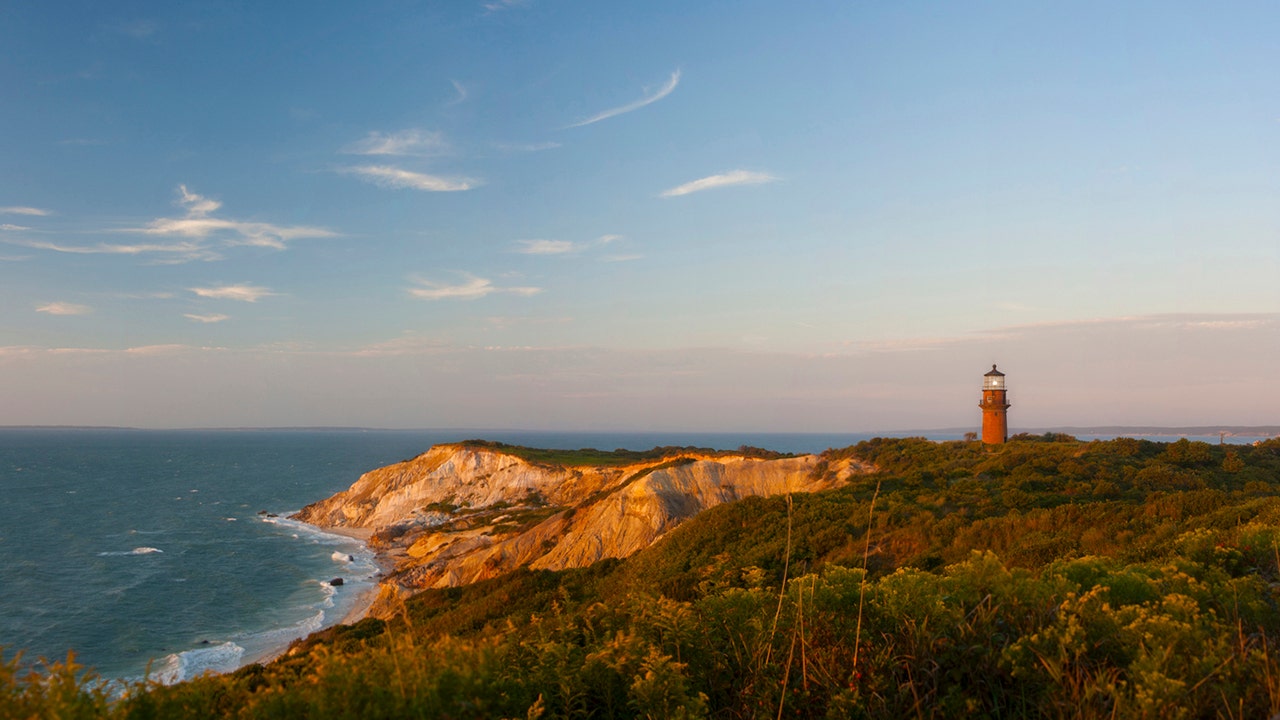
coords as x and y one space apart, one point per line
1118 430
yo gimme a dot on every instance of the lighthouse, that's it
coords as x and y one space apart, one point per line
995 404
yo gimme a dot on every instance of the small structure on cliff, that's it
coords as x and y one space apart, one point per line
995 406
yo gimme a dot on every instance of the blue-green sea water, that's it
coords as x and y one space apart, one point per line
146 549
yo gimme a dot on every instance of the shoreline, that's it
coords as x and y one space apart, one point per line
360 604
364 600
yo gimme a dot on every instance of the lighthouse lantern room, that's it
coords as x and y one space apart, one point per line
995 406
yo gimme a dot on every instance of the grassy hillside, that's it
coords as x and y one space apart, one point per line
1044 578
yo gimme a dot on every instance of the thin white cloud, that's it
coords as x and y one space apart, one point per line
472 289
733 177
621 258
64 308
158 349
562 247
406 142
195 233
212 318
648 99
13 228
198 224
546 247
243 293
462 91
494 6
197 206
21 210
394 177
180 251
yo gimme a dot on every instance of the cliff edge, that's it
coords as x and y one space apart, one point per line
464 512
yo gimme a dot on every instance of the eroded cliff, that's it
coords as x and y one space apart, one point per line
461 513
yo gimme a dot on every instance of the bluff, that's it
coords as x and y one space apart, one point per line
460 513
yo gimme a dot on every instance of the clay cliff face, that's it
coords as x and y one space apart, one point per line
457 514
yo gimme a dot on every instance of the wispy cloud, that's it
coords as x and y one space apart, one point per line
20 210
413 141
462 91
243 293
493 6
198 224
561 247
13 228
545 247
648 99
472 288
158 349
194 236
181 251
733 177
398 178
64 308
212 318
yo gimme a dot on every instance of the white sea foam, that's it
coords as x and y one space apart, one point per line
177 667
342 557
135 551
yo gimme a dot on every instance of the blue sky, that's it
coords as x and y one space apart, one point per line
819 216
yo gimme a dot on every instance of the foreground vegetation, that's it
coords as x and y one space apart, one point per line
1045 578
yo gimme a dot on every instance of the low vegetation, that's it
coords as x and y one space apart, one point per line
1046 578
590 457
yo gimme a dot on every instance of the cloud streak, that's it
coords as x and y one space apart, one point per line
648 99
182 251
728 179
64 308
406 142
473 288
198 224
21 210
194 236
211 318
546 247
242 293
400 179
561 247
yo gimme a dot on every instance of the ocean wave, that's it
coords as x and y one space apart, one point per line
342 557
135 551
177 667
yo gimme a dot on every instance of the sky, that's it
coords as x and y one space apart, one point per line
573 215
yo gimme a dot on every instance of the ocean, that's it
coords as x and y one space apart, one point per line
169 553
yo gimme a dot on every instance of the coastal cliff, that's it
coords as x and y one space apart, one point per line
465 512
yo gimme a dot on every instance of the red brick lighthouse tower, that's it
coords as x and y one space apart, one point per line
995 404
